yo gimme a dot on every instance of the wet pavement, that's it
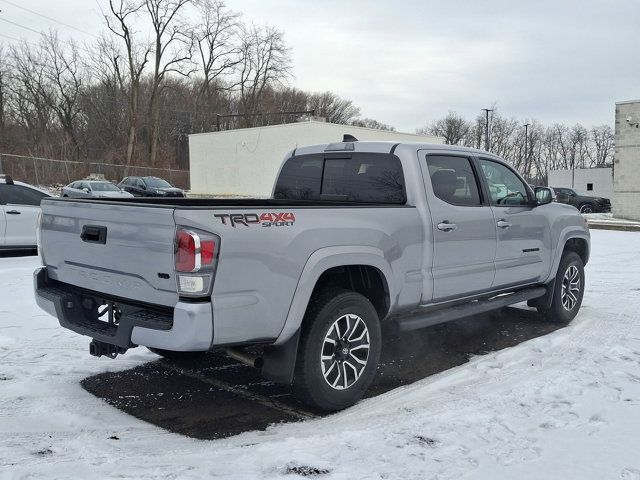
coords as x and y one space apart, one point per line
217 397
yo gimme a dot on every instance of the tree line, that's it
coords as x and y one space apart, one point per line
161 70
545 148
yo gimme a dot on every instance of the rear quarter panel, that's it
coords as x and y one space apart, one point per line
259 267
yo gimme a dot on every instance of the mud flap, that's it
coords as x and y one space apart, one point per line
545 300
280 361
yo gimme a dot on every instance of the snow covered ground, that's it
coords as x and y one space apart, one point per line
607 218
562 406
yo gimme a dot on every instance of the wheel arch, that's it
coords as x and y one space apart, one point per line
342 265
571 239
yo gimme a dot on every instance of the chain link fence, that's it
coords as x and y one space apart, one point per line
46 171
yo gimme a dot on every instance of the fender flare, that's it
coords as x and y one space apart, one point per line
567 234
319 262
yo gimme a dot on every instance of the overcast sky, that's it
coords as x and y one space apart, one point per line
408 62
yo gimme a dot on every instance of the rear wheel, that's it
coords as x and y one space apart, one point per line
568 290
339 350
586 208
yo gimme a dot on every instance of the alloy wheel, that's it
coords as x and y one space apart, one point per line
570 288
345 351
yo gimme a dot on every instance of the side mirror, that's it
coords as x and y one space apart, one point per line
86 190
543 195
143 186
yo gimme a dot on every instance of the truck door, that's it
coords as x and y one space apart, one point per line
523 254
464 233
21 209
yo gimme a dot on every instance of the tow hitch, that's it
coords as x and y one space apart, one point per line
98 349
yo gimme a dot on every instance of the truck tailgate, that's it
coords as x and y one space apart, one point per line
126 250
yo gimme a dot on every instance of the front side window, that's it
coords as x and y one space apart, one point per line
361 177
19 195
453 180
505 188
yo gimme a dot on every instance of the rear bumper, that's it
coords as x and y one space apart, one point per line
186 327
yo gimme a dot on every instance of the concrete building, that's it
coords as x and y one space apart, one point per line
626 161
596 182
246 161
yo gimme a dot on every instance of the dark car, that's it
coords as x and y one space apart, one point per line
149 187
584 203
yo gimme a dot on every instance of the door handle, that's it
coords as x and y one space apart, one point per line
503 224
13 212
446 226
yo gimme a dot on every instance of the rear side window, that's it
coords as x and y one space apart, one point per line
453 180
300 178
361 177
19 195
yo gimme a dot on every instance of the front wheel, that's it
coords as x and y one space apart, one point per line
339 350
568 290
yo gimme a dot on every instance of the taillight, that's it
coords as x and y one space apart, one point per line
196 255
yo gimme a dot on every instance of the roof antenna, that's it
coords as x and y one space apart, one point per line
349 138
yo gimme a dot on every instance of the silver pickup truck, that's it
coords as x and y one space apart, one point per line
356 233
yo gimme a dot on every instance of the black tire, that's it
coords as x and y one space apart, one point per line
179 356
587 208
559 311
326 309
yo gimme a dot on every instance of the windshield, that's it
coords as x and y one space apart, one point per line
157 183
103 187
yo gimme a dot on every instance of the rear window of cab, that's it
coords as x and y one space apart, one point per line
358 177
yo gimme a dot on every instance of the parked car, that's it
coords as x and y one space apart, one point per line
355 233
584 203
93 189
149 187
19 210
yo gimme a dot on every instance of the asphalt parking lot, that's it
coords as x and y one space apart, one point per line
217 397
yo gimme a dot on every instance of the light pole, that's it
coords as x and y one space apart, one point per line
487 146
526 147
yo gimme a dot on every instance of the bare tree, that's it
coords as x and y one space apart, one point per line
65 80
105 97
454 128
172 49
603 140
216 42
333 108
124 13
372 123
264 62
4 62
29 105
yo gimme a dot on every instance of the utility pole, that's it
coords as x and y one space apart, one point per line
487 145
526 147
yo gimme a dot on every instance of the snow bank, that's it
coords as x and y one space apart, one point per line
566 405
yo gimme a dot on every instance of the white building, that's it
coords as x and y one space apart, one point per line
626 161
595 182
246 161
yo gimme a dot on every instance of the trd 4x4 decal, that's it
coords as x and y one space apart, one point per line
281 219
